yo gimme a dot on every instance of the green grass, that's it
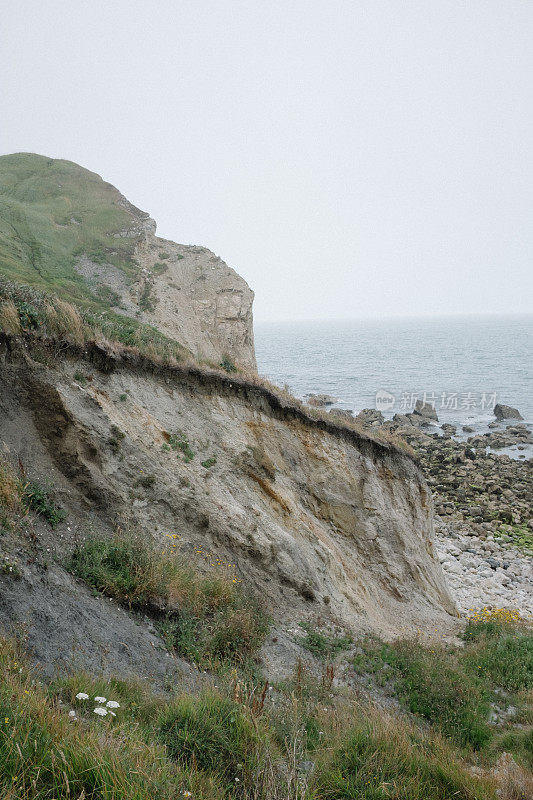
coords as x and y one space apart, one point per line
433 684
323 645
207 619
220 744
452 688
214 734
44 754
378 760
505 660
52 211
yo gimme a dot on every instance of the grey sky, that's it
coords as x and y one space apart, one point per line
347 157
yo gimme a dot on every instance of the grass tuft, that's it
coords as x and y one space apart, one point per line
208 619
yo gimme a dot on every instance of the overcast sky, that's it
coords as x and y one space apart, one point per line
349 158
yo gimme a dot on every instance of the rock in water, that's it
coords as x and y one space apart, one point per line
425 410
506 412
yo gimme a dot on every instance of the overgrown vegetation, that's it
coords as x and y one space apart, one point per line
207 619
228 744
18 495
455 688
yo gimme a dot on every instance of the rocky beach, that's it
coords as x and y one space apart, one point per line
482 499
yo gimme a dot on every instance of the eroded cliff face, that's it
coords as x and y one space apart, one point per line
185 291
194 297
318 520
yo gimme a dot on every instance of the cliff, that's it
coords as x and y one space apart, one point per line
97 402
318 519
64 229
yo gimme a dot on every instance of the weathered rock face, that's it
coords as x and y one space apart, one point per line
185 291
318 519
197 300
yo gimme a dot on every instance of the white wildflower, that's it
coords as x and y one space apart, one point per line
187 794
102 712
112 713
72 714
82 696
99 699
112 704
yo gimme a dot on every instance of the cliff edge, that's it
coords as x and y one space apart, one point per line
64 229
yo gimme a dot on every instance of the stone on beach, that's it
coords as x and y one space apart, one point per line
506 412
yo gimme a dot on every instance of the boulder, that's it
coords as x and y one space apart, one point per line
403 419
506 412
451 430
426 410
418 420
370 416
320 400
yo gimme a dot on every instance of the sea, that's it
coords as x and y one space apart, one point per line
461 365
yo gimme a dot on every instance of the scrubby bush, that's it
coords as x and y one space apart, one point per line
208 619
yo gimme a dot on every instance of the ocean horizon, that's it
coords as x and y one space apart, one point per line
463 365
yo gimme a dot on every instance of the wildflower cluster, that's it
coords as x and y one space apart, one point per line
215 561
103 708
494 615
10 567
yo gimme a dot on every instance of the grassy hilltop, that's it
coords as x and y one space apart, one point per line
53 211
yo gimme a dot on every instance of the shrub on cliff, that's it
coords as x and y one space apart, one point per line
207 618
